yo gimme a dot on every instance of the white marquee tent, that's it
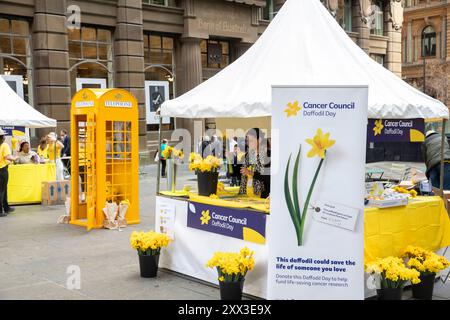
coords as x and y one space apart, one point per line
303 45
14 111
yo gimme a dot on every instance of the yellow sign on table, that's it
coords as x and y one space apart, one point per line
424 222
25 182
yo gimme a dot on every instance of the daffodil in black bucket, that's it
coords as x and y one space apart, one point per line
393 275
148 246
232 268
428 264
207 171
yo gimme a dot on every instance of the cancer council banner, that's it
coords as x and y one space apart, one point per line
315 231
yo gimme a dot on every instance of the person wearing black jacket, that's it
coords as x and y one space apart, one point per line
65 152
256 163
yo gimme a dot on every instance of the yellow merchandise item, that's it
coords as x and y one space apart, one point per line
4 151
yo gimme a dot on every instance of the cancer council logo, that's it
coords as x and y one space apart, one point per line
378 127
292 108
205 217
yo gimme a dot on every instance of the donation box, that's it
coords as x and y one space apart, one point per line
105 155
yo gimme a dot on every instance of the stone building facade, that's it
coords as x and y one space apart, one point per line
51 48
425 50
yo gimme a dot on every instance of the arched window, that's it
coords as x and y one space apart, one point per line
428 42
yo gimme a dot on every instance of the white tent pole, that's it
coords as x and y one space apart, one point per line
158 173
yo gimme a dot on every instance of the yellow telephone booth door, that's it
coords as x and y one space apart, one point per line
84 204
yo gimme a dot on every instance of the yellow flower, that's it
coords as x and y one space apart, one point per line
292 109
205 217
167 152
144 241
393 269
233 264
196 162
214 196
378 127
320 143
221 279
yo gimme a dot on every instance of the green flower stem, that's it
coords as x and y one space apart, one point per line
294 214
308 198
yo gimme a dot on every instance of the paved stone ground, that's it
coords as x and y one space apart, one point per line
35 253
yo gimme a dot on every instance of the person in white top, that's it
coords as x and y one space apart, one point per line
26 156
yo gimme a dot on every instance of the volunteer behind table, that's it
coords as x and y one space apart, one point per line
256 164
54 154
42 149
26 156
5 158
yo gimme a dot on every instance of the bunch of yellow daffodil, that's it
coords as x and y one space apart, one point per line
170 152
393 272
425 261
210 163
412 193
148 243
232 266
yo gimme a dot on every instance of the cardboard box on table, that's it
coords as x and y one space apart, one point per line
55 192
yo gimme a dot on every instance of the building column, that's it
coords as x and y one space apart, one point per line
394 33
129 58
443 37
361 23
447 34
189 75
409 37
51 62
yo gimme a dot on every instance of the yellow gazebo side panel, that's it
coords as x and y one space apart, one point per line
104 130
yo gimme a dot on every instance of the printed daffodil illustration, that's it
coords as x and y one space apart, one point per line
319 143
292 109
205 217
378 127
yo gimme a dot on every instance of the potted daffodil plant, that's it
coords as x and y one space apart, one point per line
428 264
232 268
148 246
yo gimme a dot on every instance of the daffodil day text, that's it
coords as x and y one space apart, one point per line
310 109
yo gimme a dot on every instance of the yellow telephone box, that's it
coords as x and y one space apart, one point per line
105 155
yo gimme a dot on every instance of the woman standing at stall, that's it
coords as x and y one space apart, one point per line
255 171
54 154
42 149
5 158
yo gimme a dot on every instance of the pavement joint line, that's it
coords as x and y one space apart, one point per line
24 286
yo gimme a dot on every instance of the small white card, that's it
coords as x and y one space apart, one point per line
336 215
165 223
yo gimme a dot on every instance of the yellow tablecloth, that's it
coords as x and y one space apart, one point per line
423 222
25 182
